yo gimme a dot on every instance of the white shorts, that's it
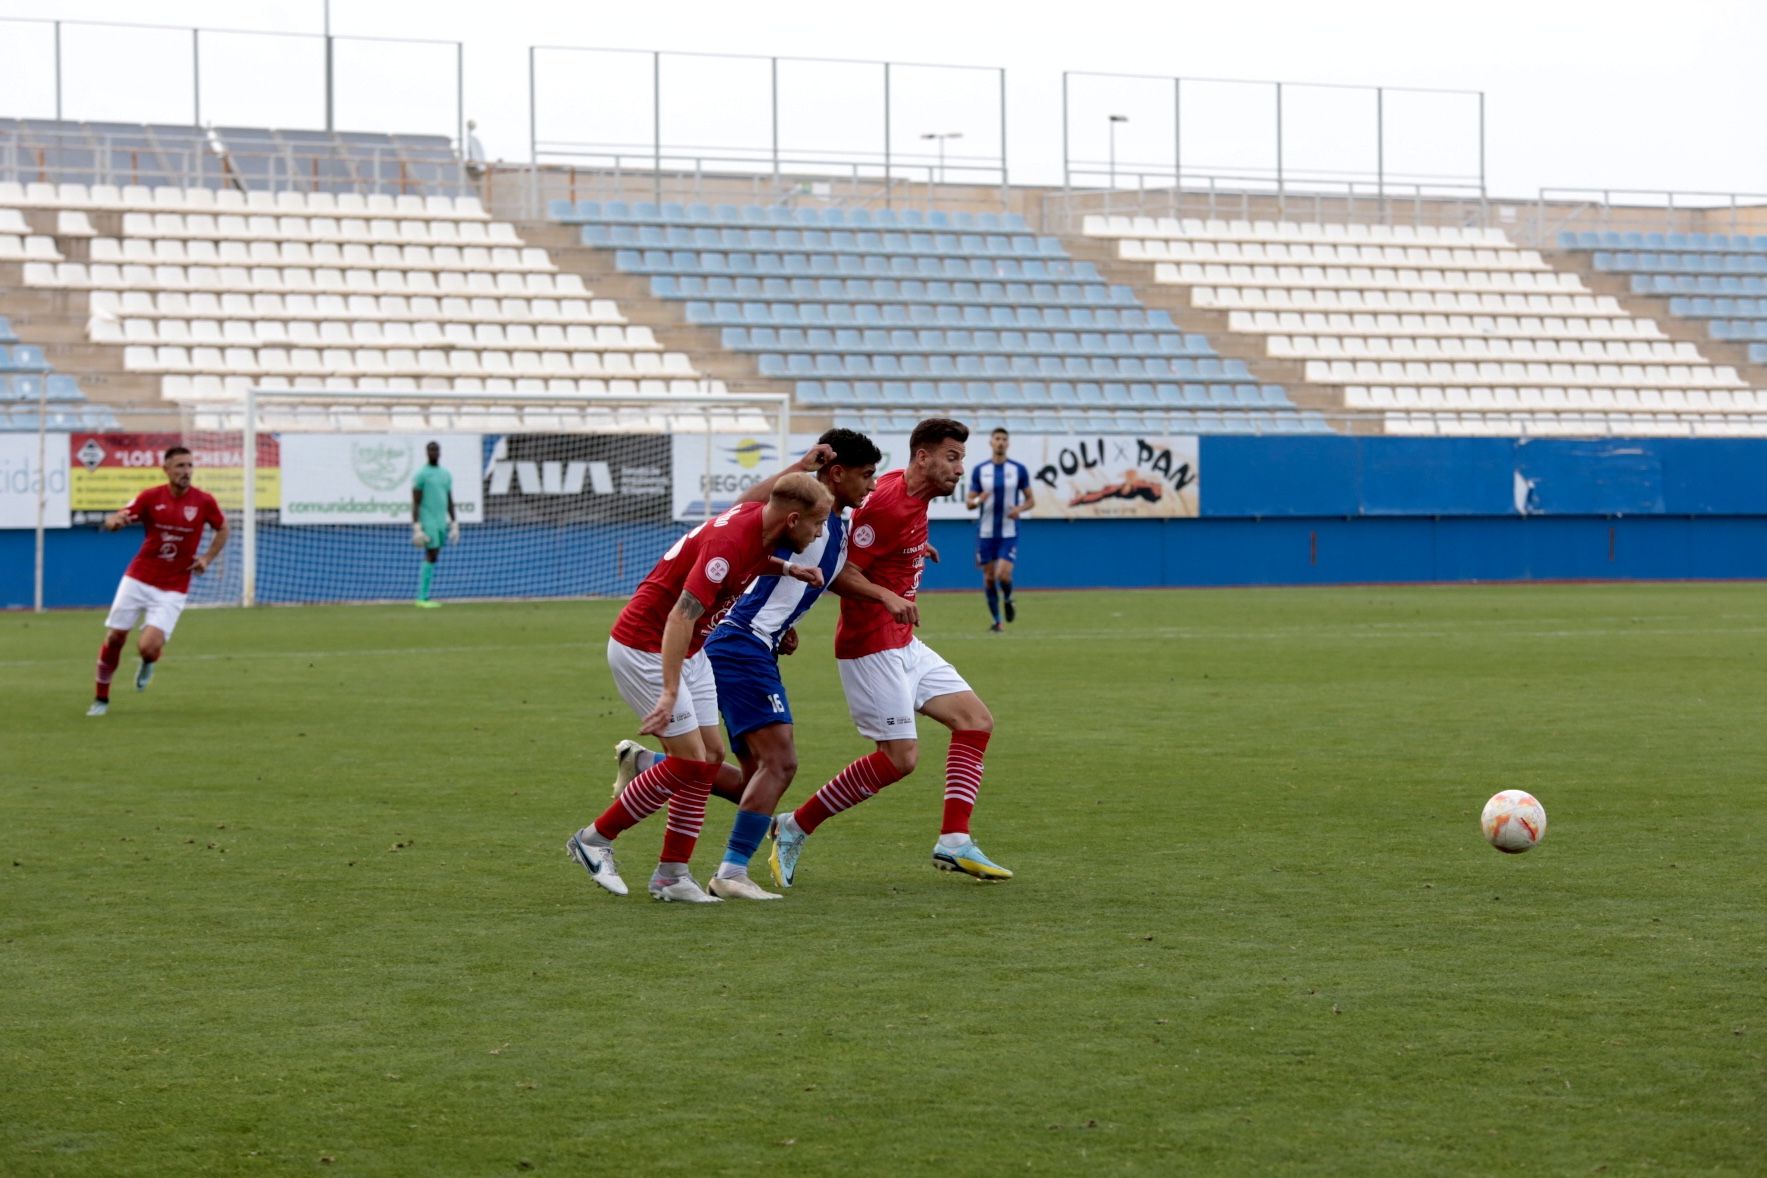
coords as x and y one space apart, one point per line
885 689
638 674
138 601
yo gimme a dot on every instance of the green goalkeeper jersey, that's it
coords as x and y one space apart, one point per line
436 484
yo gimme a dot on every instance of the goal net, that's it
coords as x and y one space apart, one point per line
554 497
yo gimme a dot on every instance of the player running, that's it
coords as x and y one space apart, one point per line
433 523
745 646
1002 489
655 652
157 582
888 673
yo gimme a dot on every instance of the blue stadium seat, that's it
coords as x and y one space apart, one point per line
7 335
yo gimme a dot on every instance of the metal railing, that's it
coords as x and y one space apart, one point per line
1559 210
883 163
1252 197
148 157
328 89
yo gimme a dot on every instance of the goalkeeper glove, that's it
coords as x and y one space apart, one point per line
453 531
418 539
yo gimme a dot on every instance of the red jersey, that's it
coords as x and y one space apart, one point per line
174 532
713 562
888 545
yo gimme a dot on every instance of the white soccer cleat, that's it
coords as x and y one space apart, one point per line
626 755
739 887
98 708
598 861
679 888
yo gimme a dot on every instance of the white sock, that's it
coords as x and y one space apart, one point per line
953 840
593 837
731 871
671 871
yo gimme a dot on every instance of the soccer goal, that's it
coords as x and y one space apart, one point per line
554 497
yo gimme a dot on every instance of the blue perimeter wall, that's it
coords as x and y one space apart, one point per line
1276 511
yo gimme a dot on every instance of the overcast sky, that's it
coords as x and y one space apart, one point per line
1578 94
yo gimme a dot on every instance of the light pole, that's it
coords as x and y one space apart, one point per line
1114 120
941 136
329 120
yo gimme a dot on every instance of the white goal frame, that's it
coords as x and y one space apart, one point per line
272 410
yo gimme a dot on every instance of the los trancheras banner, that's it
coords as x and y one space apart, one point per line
106 470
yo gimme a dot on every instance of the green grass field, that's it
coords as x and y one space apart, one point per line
303 906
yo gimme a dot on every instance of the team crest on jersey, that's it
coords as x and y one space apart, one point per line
863 536
189 512
717 569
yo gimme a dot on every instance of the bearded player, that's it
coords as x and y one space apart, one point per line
156 584
890 675
655 652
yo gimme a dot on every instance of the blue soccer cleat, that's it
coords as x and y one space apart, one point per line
968 859
788 844
144 676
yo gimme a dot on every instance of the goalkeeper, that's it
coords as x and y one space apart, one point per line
432 519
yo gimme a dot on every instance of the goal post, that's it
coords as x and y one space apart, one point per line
555 497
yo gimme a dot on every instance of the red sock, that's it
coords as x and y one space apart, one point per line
850 786
963 777
645 794
687 815
110 652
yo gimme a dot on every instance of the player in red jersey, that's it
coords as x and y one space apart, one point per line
654 652
888 673
157 581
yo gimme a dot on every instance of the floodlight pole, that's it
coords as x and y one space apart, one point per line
1113 121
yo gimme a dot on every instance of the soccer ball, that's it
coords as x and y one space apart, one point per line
1513 821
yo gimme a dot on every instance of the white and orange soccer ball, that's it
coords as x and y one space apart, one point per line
1513 821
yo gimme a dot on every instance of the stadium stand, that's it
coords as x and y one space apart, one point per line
881 316
1441 330
202 292
1716 283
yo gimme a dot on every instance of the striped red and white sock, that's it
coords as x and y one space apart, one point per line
646 793
687 816
963 778
110 653
850 786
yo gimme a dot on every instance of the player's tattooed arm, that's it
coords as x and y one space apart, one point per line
689 606
677 637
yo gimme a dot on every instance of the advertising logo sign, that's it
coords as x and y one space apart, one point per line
366 478
107 470
578 478
23 479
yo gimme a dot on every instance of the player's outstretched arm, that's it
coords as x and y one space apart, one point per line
677 636
855 584
814 459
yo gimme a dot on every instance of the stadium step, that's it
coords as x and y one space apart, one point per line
1656 309
1175 300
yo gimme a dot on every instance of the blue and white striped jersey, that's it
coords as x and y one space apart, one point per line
771 605
1005 484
